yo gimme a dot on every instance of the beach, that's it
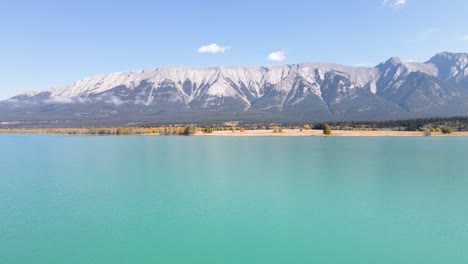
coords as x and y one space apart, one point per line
335 133
228 133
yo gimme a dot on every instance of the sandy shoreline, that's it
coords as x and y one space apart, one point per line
258 133
337 133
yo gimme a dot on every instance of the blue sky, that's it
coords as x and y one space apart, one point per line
53 43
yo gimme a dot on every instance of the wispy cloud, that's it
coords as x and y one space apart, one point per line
363 64
465 38
394 4
114 100
423 35
277 56
213 48
59 100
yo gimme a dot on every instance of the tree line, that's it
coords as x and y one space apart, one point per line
436 124
455 123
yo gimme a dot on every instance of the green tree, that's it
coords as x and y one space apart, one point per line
327 129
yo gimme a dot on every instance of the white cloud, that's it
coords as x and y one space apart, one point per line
59 100
213 48
277 56
394 4
465 37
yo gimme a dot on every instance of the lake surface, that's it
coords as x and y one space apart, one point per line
150 199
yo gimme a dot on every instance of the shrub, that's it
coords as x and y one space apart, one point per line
189 130
327 129
277 129
208 130
427 132
447 130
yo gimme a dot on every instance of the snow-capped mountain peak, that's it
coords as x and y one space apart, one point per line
319 90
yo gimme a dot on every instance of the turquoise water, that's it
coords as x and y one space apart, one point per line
149 199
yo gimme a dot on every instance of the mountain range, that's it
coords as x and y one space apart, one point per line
306 92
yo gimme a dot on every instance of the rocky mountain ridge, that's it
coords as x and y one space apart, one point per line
295 92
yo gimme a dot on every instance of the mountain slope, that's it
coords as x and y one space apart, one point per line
285 93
